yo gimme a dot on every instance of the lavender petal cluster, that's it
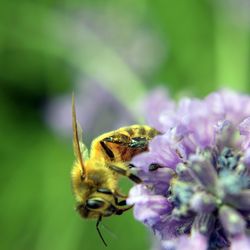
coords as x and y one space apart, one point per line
195 192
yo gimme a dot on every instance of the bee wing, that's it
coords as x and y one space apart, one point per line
77 137
126 141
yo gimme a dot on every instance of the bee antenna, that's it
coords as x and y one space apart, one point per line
76 136
99 232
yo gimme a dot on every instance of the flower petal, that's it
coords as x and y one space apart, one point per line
203 171
232 221
240 200
244 128
158 103
203 202
240 242
204 223
196 241
148 208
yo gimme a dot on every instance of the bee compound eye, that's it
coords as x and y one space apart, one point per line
94 203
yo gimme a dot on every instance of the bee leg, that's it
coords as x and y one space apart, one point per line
130 165
121 203
107 150
124 172
121 206
121 210
98 230
119 194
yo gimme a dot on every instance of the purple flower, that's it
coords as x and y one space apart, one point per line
196 174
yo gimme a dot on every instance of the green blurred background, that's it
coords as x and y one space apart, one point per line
111 54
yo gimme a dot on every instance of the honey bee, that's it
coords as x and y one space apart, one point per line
95 176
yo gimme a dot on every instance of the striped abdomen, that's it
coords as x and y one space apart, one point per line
123 144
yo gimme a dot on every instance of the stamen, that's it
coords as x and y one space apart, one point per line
204 223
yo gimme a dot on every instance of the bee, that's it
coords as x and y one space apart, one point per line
95 176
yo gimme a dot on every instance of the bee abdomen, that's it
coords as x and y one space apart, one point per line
124 143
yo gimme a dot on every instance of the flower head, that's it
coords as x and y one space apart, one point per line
196 174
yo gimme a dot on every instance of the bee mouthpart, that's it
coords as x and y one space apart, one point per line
82 210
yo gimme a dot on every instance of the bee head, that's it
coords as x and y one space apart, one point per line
95 206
